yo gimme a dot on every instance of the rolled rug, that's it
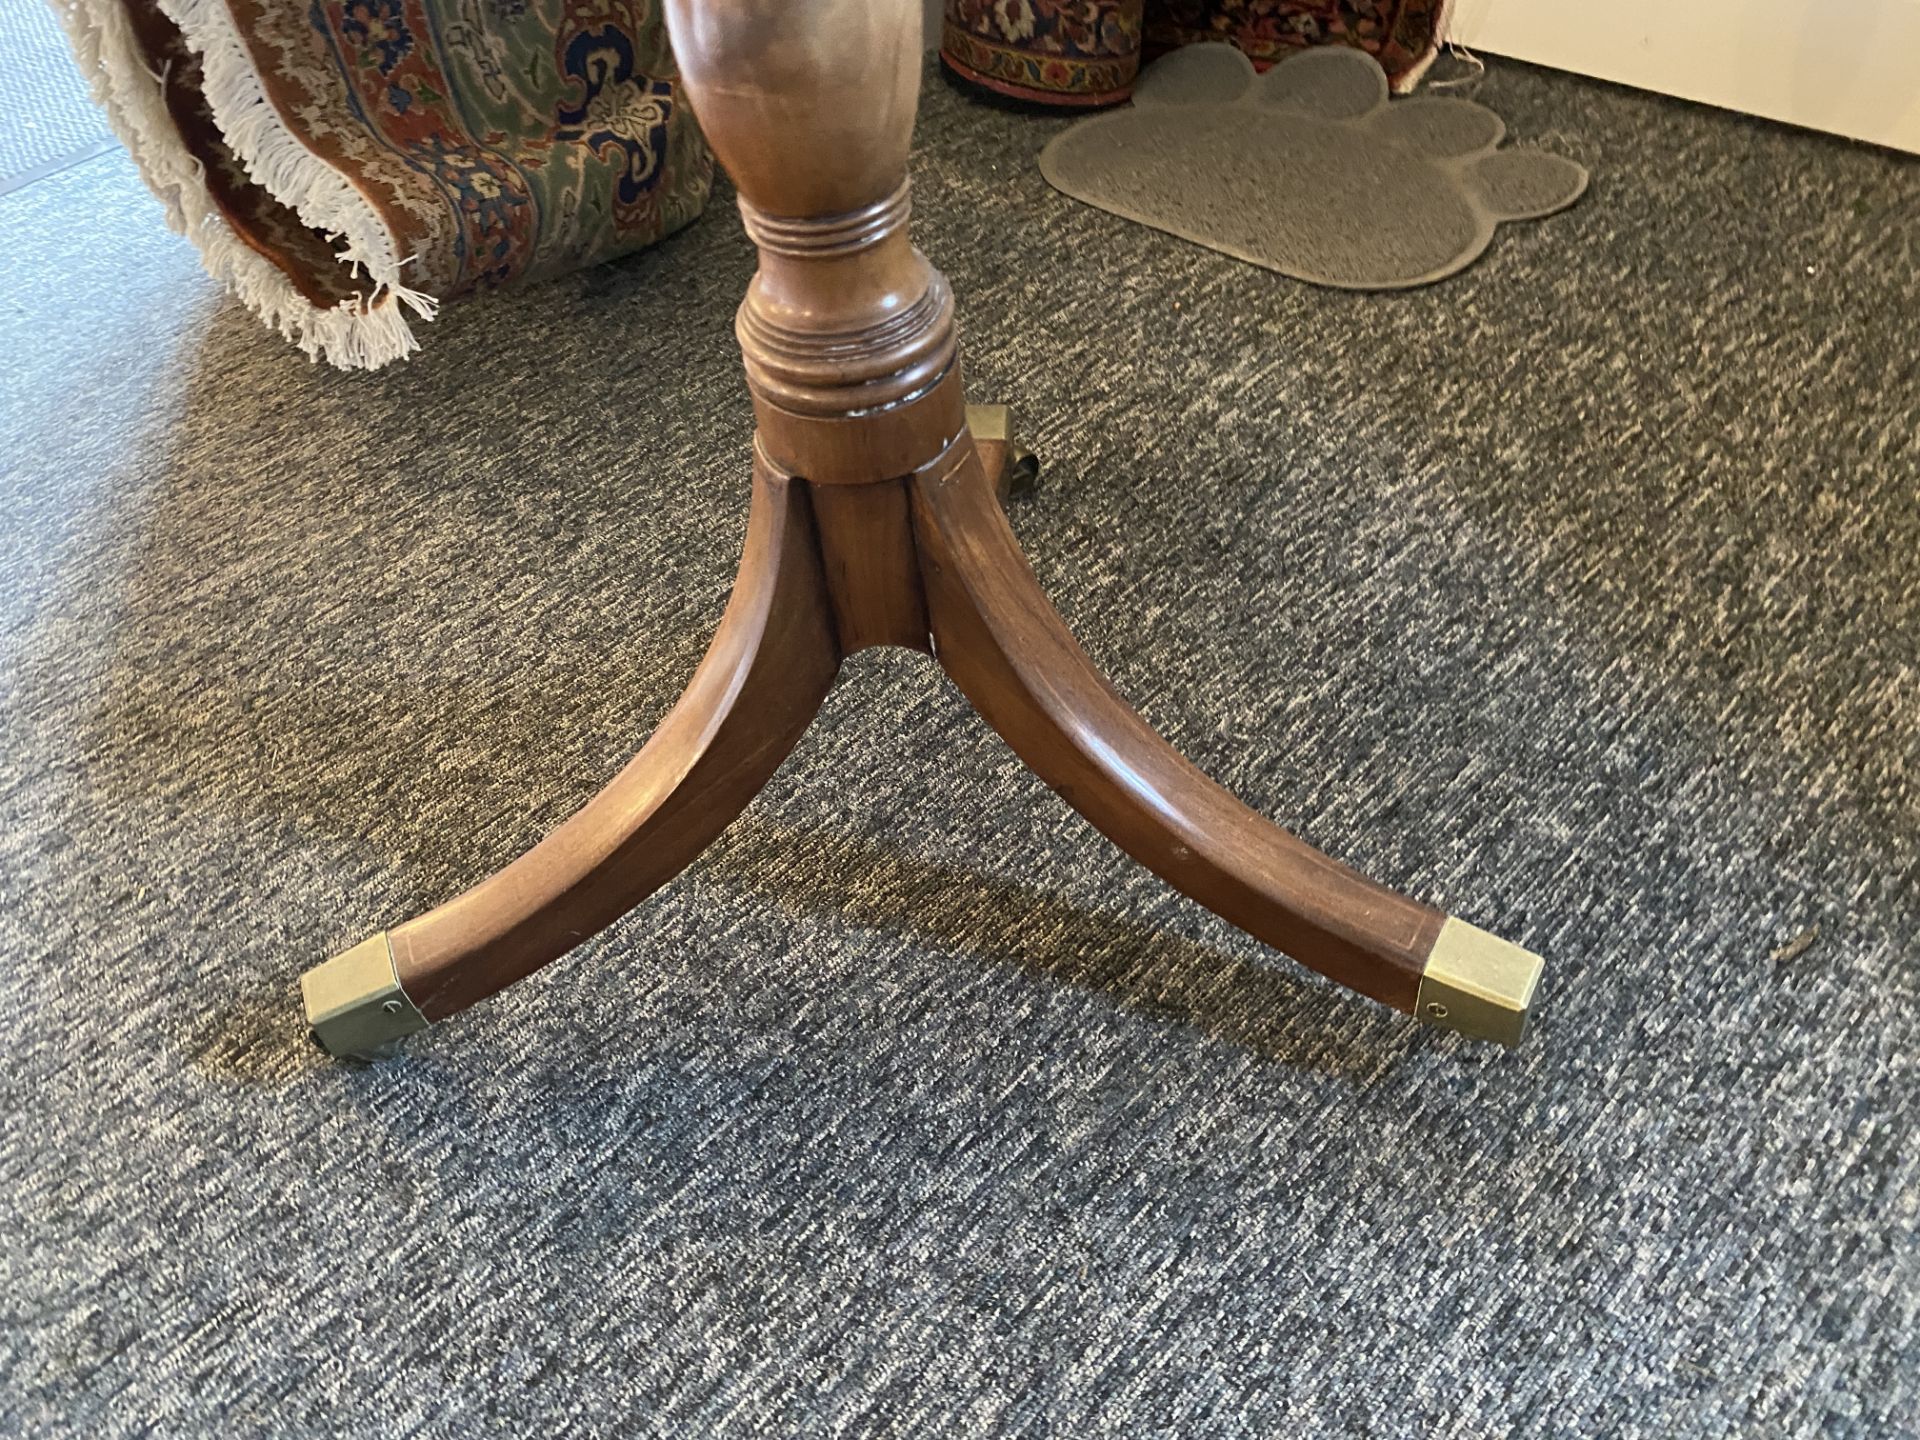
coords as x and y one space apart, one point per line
1403 35
1050 52
346 165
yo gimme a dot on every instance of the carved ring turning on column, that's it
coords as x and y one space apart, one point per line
875 521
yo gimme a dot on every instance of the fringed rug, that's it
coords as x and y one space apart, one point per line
1087 52
1403 35
345 165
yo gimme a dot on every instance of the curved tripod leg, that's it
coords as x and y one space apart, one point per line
771 663
1012 656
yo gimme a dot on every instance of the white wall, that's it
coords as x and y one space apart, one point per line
1848 66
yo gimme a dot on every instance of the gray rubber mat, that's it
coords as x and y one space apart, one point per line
46 118
1308 169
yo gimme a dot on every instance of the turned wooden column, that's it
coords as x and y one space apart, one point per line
847 331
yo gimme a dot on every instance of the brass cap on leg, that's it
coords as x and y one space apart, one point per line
1478 984
355 1004
991 422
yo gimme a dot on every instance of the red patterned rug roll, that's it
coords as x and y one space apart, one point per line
1087 52
1054 52
346 165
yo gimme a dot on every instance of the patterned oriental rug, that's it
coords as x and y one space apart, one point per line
1087 52
1403 35
346 165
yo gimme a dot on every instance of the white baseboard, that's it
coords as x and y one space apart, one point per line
1851 67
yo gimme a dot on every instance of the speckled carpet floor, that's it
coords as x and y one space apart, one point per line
46 120
1577 594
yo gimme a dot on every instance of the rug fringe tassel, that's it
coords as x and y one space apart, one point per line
1442 28
355 335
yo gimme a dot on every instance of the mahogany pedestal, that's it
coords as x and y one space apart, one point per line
875 521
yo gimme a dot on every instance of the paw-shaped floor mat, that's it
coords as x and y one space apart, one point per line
1308 169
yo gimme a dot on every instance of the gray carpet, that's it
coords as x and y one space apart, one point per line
1577 595
46 119
1308 169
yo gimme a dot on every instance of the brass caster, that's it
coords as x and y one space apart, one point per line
1015 471
1023 475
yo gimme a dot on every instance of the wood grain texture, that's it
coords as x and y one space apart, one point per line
847 332
1012 656
866 548
871 448
808 103
771 662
